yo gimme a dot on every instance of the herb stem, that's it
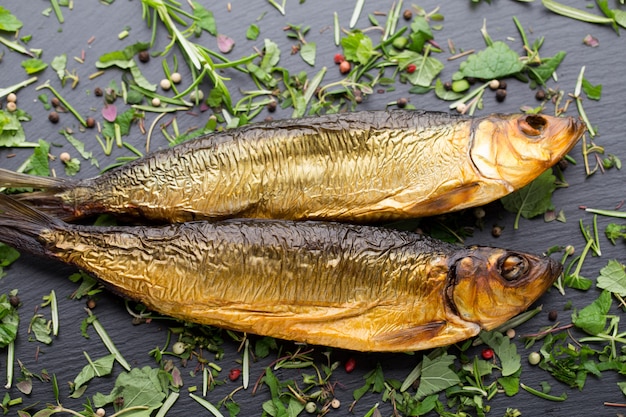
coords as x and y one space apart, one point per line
10 364
610 213
543 395
8 90
107 341
210 407
63 101
57 11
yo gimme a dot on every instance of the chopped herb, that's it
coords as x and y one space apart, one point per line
139 387
9 320
253 32
496 61
8 22
34 65
532 200
98 368
613 278
592 319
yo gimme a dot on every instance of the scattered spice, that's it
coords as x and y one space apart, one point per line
96 92
144 56
350 365
496 231
344 67
534 358
411 68
553 315
339 58
53 117
402 102
540 95
65 157
176 77
11 106
500 95
407 14
487 354
91 122
234 374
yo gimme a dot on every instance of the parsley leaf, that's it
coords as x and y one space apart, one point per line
613 278
357 47
97 368
592 319
204 18
615 231
496 61
533 199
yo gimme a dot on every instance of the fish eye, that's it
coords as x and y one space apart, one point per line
532 125
513 267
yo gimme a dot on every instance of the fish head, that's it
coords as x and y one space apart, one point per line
488 286
517 148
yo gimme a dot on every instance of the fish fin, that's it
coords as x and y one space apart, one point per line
18 180
452 200
21 225
413 334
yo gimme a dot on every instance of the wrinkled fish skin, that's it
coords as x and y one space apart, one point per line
359 167
347 286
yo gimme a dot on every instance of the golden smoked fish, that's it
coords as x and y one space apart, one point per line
358 167
342 285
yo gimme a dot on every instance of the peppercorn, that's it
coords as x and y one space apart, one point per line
11 98
339 58
310 407
144 56
165 84
91 122
65 157
402 102
55 102
407 14
534 358
345 67
14 300
496 231
176 77
350 365
503 84
447 85
271 106
500 95
11 106
91 303
53 117
97 92
494 84
487 354
563 164
234 374
540 95
553 315
411 68
335 403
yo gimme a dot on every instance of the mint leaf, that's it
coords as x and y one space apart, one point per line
613 278
615 231
541 73
357 47
496 61
436 375
506 351
532 200
592 319
253 32
420 34
40 328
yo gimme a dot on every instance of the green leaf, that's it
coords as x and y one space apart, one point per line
436 375
59 63
534 199
39 326
506 351
374 381
622 387
97 368
420 34
205 18
593 92
271 56
613 278
443 94
357 47
615 231
140 387
38 162
592 319
496 61
8 255
9 321
33 65
8 22
510 384
577 281
428 68
541 73
125 54
307 52
253 32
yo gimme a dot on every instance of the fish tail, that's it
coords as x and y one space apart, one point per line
12 179
48 200
21 226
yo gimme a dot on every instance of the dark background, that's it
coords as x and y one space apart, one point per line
35 278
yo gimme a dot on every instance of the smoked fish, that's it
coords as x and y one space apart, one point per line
342 285
358 167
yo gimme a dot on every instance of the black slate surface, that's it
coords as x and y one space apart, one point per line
35 277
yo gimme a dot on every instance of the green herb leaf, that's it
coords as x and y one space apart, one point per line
205 19
544 71
358 47
40 327
615 231
98 368
374 381
307 52
506 351
613 278
533 199
125 54
442 93
139 388
59 64
38 162
8 22
34 65
436 375
593 92
9 321
496 61
592 319
420 34
253 32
